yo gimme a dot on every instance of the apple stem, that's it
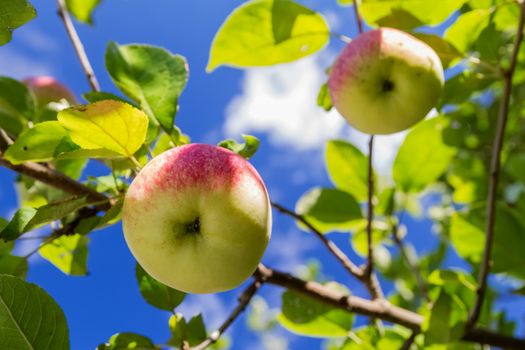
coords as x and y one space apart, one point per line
495 166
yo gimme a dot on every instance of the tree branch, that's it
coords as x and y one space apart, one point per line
494 173
411 264
358 18
56 179
370 211
77 45
409 341
244 300
378 308
371 283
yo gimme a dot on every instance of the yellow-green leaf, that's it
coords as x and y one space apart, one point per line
427 11
68 253
36 144
467 28
109 124
82 9
267 32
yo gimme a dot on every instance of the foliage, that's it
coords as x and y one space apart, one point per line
446 158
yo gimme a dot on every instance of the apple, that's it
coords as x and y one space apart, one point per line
47 89
198 218
385 81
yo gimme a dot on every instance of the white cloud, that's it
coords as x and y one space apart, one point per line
281 101
211 306
19 66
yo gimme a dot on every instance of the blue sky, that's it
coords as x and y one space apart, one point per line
277 104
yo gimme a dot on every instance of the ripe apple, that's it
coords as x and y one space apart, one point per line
47 89
385 81
198 218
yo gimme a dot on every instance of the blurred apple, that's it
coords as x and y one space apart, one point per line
385 81
47 89
198 218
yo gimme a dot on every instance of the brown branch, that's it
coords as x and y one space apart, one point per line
358 18
407 344
370 210
378 308
494 174
411 264
371 284
56 179
244 300
77 44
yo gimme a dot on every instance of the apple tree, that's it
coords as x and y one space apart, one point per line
469 154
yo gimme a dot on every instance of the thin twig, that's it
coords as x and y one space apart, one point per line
379 308
358 18
409 261
244 300
371 284
494 174
370 210
407 344
56 179
77 44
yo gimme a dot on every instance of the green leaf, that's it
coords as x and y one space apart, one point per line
108 124
246 149
347 167
323 98
380 232
515 166
82 9
68 254
121 341
11 264
370 338
67 149
308 317
156 293
194 331
446 51
17 105
96 96
150 76
400 19
26 219
268 32
329 209
29 318
460 87
13 14
437 329
36 144
467 234
465 31
429 12
423 156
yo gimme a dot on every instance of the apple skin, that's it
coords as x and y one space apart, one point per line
47 89
220 189
385 81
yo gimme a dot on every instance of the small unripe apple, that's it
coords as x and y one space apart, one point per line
47 89
198 218
385 81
